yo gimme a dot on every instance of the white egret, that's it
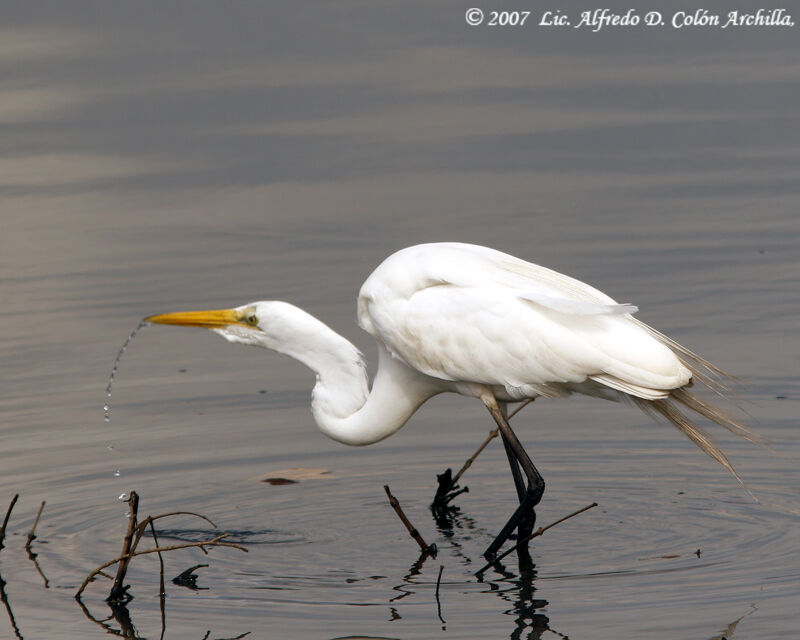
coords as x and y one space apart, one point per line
467 319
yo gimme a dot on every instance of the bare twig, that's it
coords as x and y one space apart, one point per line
530 537
117 593
426 548
520 408
213 542
32 534
162 591
142 527
468 463
5 520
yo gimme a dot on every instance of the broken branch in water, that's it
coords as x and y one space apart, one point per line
530 537
32 533
426 548
132 537
118 589
31 555
5 520
213 542
188 578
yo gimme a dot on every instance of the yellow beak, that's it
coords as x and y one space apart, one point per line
212 319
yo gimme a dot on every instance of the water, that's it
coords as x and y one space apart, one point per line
154 163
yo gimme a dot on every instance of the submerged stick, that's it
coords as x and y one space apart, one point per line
32 533
5 520
426 548
530 537
31 555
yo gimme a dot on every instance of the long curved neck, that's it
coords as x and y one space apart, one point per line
397 392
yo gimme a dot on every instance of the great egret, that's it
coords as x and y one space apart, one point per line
484 324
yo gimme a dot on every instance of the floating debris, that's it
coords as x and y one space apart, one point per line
294 475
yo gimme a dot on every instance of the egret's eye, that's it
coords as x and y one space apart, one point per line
252 319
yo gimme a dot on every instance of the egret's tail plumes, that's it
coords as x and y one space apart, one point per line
672 408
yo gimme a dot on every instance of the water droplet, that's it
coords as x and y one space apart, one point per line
117 473
124 497
112 375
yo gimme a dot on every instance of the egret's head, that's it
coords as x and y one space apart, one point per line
268 323
240 324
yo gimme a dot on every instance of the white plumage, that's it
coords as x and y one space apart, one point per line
465 313
475 321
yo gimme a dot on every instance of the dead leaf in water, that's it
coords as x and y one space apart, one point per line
279 481
294 475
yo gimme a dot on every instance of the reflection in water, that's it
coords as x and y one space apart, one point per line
7 605
122 616
33 558
518 591
451 519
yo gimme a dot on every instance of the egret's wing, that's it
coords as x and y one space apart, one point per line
491 335
575 307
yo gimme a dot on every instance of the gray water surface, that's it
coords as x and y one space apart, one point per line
200 155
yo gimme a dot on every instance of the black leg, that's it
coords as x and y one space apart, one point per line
448 483
519 482
525 516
